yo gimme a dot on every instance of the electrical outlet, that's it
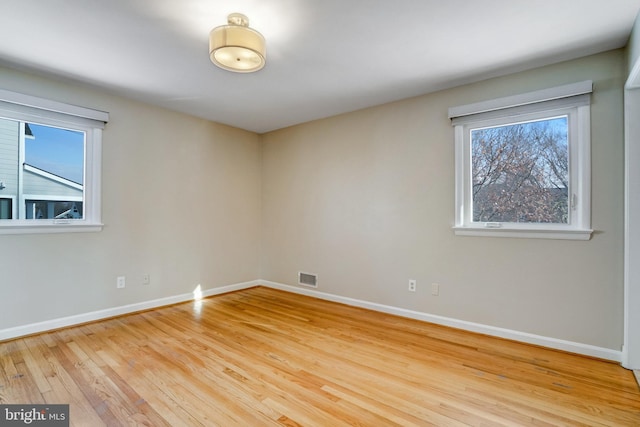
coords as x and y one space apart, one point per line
412 285
120 282
146 279
435 289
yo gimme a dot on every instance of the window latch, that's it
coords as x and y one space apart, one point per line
493 224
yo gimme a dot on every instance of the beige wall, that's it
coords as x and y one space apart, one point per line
181 202
365 200
631 353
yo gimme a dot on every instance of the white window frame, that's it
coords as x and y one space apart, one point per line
572 100
27 108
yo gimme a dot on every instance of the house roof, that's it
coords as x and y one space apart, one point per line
52 176
323 57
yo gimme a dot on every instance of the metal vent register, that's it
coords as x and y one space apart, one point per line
308 279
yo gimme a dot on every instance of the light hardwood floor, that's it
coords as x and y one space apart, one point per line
263 357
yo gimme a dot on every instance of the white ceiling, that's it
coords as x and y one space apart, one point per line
324 57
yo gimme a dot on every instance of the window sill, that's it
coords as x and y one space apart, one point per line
524 233
49 228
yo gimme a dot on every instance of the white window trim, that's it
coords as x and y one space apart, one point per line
49 198
574 97
29 108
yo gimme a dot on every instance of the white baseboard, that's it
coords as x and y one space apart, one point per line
554 343
573 347
34 328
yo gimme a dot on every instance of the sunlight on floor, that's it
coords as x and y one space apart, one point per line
197 301
197 293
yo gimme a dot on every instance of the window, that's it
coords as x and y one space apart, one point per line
6 208
49 165
523 165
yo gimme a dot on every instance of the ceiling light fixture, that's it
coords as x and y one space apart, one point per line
236 47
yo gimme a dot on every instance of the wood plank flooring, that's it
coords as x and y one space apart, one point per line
262 357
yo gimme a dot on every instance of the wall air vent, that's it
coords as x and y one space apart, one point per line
308 279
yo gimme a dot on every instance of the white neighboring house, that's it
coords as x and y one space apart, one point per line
28 192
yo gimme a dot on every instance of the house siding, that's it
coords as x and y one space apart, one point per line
41 186
9 141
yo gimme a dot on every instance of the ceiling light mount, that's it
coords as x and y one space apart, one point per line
236 47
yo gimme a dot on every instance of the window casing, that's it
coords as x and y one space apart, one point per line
558 205
37 209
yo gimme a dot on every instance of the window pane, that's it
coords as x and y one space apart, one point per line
9 159
47 209
5 208
57 151
520 172
43 165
